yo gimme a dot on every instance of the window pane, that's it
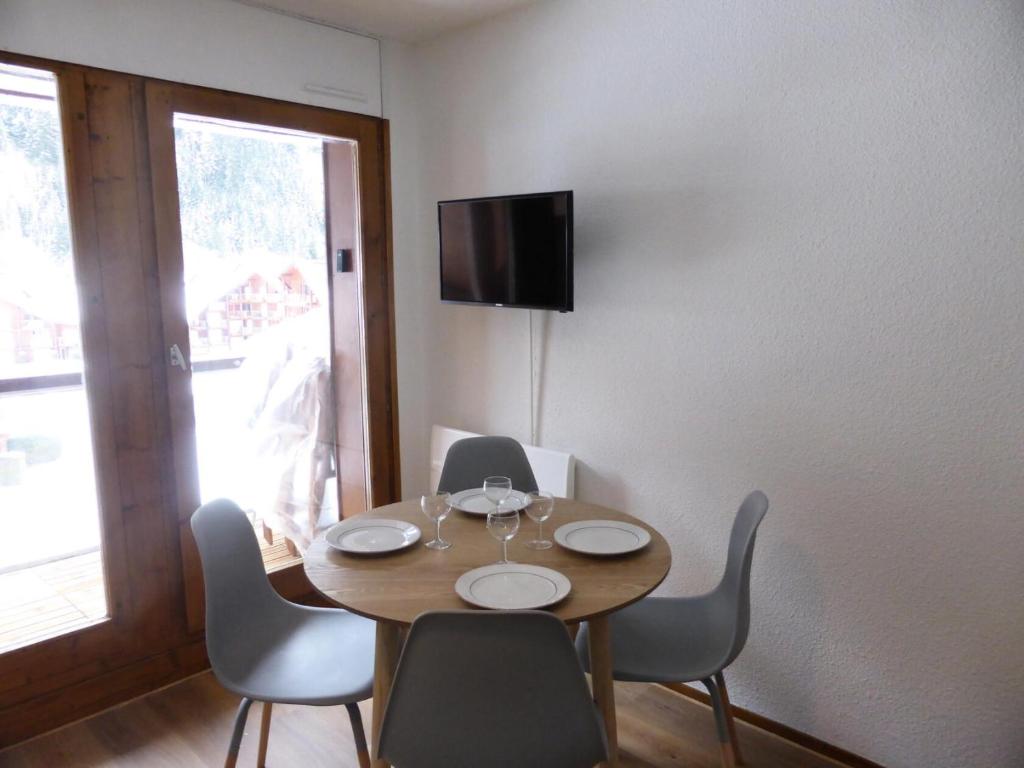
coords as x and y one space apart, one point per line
254 241
49 514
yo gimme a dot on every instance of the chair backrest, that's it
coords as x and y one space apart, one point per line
242 608
472 459
732 595
555 471
502 689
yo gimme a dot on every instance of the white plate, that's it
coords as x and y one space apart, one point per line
372 536
602 537
512 586
475 501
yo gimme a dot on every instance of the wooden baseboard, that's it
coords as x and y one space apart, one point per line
50 711
56 709
800 738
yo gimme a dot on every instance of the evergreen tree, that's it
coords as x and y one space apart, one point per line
240 193
237 193
33 202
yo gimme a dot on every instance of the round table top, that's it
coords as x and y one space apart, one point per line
400 586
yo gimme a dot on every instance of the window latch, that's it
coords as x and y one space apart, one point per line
177 358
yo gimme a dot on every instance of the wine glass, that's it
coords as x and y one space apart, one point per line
503 524
541 505
437 508
497 488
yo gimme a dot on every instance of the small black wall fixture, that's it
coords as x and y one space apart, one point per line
344 259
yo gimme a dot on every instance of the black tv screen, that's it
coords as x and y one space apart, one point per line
513 251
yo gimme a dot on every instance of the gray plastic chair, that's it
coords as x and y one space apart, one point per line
500 689
263 647
685 639
471 459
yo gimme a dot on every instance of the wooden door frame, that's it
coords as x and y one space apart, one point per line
163 100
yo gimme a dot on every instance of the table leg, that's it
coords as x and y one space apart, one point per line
601 678
574 629
384 664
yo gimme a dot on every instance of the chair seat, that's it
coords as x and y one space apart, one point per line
318 656
663 640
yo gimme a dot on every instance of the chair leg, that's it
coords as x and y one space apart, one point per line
261 756
728 755
236 734
358 734
730 721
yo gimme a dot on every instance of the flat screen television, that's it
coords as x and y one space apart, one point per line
513 251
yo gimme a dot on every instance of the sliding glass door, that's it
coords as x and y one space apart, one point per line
88 578
195 301
264 259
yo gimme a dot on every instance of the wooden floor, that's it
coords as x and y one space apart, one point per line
64 595
188 726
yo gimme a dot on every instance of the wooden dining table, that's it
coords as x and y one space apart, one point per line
394 589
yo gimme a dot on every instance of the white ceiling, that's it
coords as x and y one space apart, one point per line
408 20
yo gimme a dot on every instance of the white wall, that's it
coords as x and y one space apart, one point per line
799 267
414 271
214 43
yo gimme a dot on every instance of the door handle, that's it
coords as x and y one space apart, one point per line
177 358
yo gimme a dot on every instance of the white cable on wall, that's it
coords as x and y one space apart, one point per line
533 420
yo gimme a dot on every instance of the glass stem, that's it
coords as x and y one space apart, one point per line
438 521
504 550
540 530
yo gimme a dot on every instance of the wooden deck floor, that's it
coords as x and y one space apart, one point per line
50 599
188 726
276 555
65 595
